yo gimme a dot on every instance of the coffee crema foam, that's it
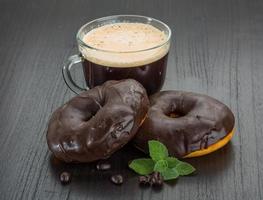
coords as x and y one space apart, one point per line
122 45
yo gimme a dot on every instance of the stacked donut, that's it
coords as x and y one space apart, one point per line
100 121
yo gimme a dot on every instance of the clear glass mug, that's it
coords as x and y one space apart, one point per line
147 66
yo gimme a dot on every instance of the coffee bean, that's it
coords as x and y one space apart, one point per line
156 179
157 182
117 179
144 180
65 177
103 166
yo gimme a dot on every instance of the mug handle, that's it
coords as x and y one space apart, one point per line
72 60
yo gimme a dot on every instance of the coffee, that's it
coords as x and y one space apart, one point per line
126 50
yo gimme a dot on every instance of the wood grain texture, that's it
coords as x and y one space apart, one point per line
217 49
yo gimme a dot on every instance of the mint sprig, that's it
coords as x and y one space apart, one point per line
160 166
184 168
160 161
172 162
158 150
170 173
142 166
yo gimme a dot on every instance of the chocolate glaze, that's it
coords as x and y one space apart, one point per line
98 122
199 121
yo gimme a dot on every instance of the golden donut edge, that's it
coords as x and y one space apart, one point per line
212 147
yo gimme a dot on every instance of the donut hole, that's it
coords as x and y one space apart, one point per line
85 109
176 108
175 114
88 116
91 111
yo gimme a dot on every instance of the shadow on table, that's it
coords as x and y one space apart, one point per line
87 180
85 177
119 163
215 163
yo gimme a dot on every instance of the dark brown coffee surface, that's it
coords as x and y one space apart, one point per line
151 75
197 121
98 122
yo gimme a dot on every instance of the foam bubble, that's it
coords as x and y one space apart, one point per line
125 37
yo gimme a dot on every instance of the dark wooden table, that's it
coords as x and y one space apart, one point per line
217 49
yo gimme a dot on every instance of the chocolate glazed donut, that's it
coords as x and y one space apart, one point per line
185 122
98 122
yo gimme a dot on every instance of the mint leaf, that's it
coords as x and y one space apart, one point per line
160 166
172 162
158 151
184 168
169 174
142 166
169 167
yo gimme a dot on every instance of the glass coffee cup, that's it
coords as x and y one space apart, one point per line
121 47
